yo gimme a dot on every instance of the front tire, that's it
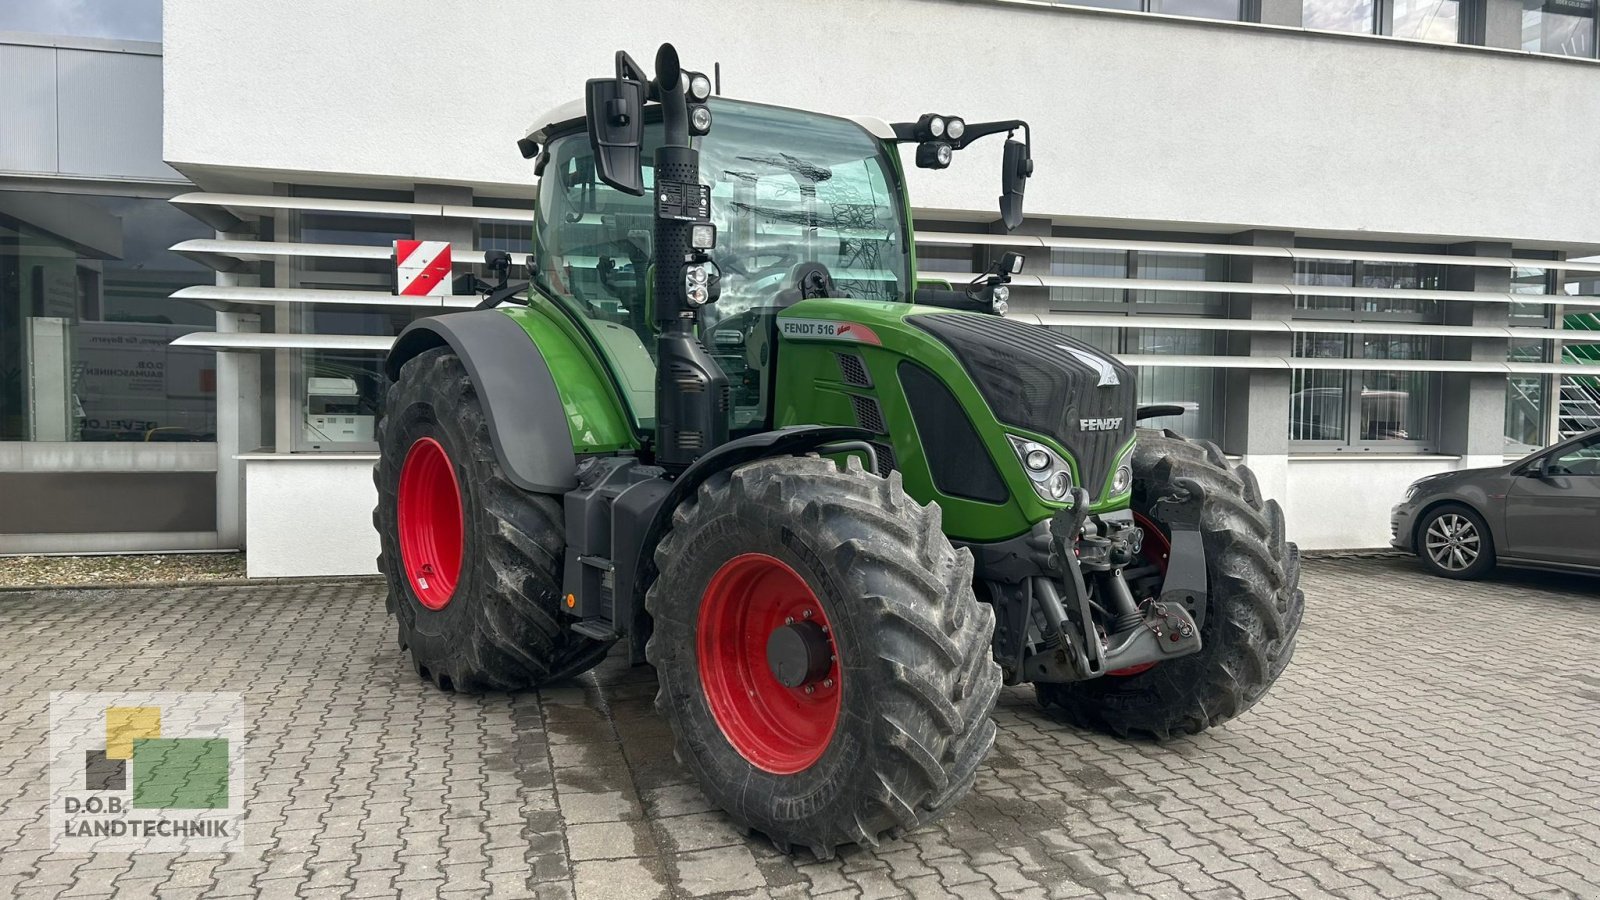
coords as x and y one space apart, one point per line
1253 609
473 562
1453 541
885 725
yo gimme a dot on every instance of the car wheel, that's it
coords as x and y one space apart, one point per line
1454 541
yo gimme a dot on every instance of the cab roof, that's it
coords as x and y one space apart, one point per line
574 110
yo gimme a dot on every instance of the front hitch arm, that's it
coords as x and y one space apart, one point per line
1185 584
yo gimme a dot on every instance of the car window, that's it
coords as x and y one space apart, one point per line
1582 459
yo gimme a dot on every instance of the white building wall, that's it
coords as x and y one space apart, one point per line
310 515
1136 116
1344 503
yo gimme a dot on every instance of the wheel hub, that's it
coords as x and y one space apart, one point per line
1452 541
430 523
768 663
799 654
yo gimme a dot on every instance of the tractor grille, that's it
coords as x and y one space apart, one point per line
1031 378
886 460
853 370
868 414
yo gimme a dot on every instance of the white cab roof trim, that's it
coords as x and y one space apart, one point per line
875 126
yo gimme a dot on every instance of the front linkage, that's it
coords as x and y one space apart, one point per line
1067 611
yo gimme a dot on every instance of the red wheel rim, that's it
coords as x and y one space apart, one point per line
431 529
1156 550
776 728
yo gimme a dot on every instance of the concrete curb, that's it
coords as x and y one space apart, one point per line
214 582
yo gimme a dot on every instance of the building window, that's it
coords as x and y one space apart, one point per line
1197 390
1338 409
1360 408
86 322
1528 405
1137 264
1565 27
1442 21
338 392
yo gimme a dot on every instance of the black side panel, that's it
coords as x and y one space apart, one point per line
960 463
527 422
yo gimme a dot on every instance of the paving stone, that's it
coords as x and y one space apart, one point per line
1369 770
718 870
620 879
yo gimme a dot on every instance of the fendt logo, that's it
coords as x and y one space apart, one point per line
1111 424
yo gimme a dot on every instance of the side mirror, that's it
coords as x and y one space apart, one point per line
1015 167
615 111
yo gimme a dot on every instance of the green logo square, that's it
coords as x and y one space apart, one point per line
180 773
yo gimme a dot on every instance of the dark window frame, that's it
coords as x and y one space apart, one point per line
1353 380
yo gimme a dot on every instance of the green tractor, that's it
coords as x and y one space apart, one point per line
837 508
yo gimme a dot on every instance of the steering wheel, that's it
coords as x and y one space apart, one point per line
786 262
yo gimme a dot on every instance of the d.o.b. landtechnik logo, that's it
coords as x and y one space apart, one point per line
152 771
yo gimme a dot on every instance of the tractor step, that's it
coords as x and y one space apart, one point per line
598 629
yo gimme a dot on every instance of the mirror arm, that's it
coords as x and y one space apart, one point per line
984 129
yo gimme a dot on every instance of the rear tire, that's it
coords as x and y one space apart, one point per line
1454 542
499 627
900 718
1253 609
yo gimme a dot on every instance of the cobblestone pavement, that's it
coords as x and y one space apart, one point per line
1411 749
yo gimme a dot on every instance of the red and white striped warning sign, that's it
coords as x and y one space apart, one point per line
422 268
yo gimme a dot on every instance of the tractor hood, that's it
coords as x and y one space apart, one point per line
1045 382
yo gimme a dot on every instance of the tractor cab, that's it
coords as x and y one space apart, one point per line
794 196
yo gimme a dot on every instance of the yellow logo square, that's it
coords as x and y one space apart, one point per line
126 724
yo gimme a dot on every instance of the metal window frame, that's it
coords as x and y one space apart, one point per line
1126 292
296 317
1354 378
1594 37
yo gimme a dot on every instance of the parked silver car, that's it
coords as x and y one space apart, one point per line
1542 511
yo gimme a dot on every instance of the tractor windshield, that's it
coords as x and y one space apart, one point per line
787 187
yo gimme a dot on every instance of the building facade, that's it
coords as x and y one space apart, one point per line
1340 233
107 432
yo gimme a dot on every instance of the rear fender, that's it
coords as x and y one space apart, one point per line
540 415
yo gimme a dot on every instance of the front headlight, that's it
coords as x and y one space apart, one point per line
1049 474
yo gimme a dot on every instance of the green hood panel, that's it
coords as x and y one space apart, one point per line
596 415
812 389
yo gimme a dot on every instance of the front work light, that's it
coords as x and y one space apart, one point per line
933 155
699 87
700 120
703 236
955 128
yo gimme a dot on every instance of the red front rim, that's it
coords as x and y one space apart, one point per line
776 728
1156 550
431 527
